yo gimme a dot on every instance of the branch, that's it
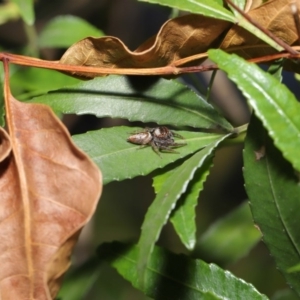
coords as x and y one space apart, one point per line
172 69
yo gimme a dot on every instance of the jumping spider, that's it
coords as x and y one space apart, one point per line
159 138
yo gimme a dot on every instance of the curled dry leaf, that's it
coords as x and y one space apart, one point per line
49 190
274 15
251 4
186 36
5 145
178 38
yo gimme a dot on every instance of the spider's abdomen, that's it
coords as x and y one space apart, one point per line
141 138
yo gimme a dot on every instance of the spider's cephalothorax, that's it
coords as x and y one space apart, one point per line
159 138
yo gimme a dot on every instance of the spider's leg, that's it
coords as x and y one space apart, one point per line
177 135
155 148
167 149
176 145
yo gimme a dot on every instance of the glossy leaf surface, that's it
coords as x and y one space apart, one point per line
183 216
240 4
273 190
165 201
211 8
165 102
274 103
177 277
119 159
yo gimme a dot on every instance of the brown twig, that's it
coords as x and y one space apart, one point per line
55 65
271 57
172 69
280 42
266 58
189 59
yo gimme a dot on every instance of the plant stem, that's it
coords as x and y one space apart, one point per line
238 137
32 47
172 69
211 82
241 129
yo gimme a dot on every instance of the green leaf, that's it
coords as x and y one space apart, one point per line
26 10
230 238
8 12
177 277
38 81
239 3
165 102
213 9
253 29
184 215
119 159
165 201
286 294
276 68
272 101
63 31
78 282
273 190
295 268
257 32
159 180
207 8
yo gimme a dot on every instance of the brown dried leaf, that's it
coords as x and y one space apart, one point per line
5 146
184 37
274 15
178 38
49 190
251 4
